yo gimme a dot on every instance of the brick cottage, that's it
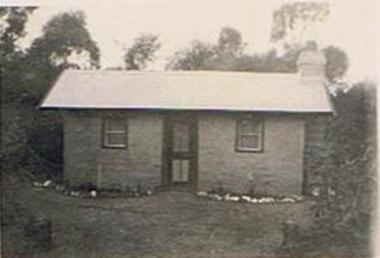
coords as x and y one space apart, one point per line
197 130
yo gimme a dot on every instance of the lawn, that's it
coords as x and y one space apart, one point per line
166 224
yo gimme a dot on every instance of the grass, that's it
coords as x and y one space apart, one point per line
167 224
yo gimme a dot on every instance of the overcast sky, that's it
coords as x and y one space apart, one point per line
353 26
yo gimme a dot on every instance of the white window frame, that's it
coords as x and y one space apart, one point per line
259 134
106 132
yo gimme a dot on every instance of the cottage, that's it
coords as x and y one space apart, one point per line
197 130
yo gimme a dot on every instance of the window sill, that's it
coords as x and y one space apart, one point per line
119 147
249 150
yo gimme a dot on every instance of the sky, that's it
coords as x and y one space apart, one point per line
351 26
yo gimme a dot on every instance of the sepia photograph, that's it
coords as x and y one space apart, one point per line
189 128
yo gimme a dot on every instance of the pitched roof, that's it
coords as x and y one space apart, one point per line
187 90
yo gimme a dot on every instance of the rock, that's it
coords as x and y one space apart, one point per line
316 191
331 192
230 198
93 193
253 200
298 198
203 194
37 184
288 200
246 198
234 198
59 188
216 197
75 194
148 192
269 200
46 183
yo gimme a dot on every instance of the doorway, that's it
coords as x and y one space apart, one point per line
180 151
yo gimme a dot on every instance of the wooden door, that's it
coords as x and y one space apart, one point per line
181 150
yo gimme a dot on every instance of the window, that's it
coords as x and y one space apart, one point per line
115 133
249 135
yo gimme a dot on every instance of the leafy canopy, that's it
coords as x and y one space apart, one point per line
142 52
293 21
337 63
63 36
198 56
205 56
230 42
228 55
12 28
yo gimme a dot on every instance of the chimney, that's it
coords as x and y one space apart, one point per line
311 62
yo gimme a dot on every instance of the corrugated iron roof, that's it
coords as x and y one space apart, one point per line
188 90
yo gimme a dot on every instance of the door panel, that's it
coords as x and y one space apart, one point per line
180 170
181 136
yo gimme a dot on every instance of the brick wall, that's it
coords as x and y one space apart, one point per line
87 161
276 170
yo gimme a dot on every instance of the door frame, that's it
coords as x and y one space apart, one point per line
167 154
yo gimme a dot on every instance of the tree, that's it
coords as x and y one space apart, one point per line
141 52
230 43
198 57
63 36
12 28
13 136
267 62
27 79
205 56
65 42
337 63
292 21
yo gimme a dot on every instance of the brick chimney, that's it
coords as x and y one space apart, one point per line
311 62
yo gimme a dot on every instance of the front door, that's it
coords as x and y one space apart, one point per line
180 150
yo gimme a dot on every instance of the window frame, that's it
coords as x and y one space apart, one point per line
105 133
260 134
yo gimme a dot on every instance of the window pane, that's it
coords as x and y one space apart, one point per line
180 170
249 142
115 139
181 139
115 125
249 127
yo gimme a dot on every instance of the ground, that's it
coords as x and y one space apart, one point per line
167 224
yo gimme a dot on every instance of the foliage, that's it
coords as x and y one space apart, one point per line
292 20
271 61
337 63
205 56
351 151
198 57
63 36
230 43
35 137
228 55
267 62
12 28
347 166
13 136
141 52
